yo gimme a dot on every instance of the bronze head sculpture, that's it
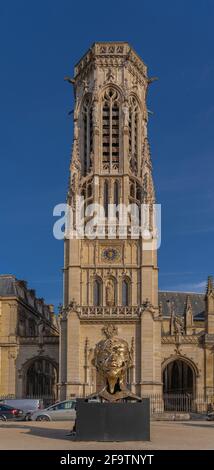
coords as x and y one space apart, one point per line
112 358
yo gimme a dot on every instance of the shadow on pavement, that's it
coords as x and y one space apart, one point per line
199 425
40 431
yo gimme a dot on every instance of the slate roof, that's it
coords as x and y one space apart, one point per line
8 286
12 287
178 300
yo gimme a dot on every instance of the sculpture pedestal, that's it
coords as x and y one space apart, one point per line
123 421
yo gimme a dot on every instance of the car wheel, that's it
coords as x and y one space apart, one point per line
43 418
28 417
3 418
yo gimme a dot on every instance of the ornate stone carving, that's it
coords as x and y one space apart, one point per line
112 55
160 309
118 312
125 110
12 354
178 326
110 255
110 330
41 331
176 323
171 339
95 114
110 49
110 76
110 293
147 305
85 85
72 306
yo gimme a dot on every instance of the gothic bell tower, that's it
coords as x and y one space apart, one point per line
110 280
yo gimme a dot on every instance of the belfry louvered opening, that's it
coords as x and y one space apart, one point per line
133 133
87 135
110 129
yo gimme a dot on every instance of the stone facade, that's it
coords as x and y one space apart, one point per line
28 342
116 281
108 281
188 340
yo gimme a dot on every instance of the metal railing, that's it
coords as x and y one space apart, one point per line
180 402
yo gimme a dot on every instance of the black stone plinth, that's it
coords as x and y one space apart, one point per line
124 421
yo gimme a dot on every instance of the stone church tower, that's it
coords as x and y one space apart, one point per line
110 281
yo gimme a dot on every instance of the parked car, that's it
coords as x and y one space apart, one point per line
27 405
64 410
9 412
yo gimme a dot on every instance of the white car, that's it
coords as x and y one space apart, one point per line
64 410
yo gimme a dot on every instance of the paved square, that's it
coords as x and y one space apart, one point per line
53 435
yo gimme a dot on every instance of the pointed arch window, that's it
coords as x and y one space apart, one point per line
106 198
110 129
125 293
138 193
132 190
133 134
97 292
116 193
87 134
89 190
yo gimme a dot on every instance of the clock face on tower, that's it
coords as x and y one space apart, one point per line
110 254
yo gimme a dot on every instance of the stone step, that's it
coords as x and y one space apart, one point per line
176 416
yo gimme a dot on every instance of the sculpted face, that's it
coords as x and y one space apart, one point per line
112 359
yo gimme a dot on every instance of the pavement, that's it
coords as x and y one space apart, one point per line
54 435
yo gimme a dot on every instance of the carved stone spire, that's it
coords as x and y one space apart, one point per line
146 174
172 318
188 315
210 287
146 157
209 301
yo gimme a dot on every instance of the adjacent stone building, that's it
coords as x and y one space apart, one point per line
28 342
115 281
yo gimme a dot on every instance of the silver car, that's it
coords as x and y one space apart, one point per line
64 410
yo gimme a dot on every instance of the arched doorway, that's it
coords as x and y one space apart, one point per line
178 377
179 380
41 379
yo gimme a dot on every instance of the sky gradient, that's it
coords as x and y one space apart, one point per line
40 43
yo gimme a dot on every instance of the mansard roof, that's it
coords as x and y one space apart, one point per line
177 301
12 287
7 285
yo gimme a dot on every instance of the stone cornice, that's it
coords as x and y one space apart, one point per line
183 339
35 340
208 340
118 320
107 54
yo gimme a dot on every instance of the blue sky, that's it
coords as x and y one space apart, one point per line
40 43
